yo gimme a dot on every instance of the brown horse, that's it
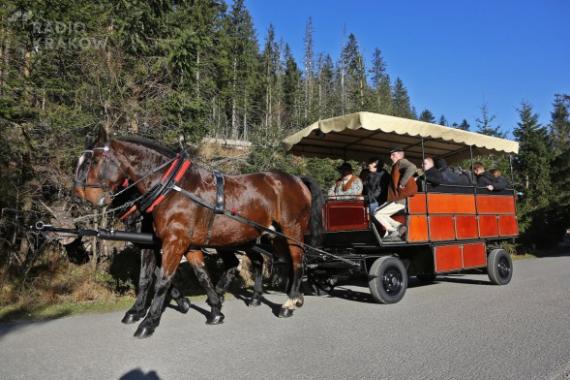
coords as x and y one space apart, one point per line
274 200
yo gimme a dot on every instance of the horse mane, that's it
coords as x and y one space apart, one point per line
151 144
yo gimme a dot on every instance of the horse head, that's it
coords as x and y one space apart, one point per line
99 172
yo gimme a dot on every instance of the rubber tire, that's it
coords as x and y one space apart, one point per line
390 266
426 277
499 267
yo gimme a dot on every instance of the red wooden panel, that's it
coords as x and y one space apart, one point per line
495 204
451 203
508 225
346 215
466 227
474 255
488 226
417 204
447 258
417 228
441 228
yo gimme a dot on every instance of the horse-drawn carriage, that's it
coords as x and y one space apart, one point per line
451 228
189 208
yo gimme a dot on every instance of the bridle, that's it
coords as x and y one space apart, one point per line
84 166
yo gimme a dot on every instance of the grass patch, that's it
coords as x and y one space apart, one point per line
35 312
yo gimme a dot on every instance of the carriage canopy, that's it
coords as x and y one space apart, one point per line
360 135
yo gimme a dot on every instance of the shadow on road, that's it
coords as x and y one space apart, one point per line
138 374
11 327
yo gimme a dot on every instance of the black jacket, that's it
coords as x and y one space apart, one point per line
501 183
434 176
485 179
376 187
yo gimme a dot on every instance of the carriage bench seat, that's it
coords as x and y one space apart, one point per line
345 215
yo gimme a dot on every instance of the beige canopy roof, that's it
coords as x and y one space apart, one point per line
358 136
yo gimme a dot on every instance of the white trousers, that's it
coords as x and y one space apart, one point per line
384 213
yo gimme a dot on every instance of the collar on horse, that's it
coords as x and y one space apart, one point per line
158 192
170 180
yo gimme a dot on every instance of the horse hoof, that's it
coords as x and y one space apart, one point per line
300 301
255 301
144 332
130 318
216 319
285 313
184 305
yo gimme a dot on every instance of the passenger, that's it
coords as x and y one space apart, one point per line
375 184
447 175
348 185
402 185
484 179
501 182
431 174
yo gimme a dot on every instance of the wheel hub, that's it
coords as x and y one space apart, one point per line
392 281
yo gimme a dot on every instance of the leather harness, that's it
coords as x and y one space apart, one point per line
169 181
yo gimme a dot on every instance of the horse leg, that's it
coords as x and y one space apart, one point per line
257 263
172 253
295 297
148 265
196 260
230 270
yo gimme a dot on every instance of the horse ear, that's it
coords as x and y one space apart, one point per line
103 135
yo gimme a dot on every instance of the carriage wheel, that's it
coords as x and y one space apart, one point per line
499 267
388 279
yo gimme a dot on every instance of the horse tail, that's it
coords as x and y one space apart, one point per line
317 202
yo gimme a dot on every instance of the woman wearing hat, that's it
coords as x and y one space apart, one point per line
348 185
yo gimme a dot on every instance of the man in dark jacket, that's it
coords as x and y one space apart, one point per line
431 174
484 178
375 184
501 182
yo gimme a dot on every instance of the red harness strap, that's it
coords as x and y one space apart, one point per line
166 178
177 177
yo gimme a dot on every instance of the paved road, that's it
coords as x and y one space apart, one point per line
459 328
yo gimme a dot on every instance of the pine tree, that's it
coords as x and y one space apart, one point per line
560 124
354 77
243 51
443 121
326 95
560 167
271 58
382 102
292 91
401 101
485 126
427 116
309 72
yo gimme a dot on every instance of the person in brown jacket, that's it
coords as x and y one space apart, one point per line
402 185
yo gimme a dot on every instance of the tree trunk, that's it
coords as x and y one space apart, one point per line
233 132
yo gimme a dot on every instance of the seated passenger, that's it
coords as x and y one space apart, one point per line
375 184
501 182
431 174
348 186
484 179
450 177
402 185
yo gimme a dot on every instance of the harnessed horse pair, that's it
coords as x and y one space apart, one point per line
189 213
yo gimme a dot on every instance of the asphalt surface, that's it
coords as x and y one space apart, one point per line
458 328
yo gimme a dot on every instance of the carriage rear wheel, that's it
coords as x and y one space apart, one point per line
499 267
388 279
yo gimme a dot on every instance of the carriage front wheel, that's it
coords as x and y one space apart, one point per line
388 279
499 267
